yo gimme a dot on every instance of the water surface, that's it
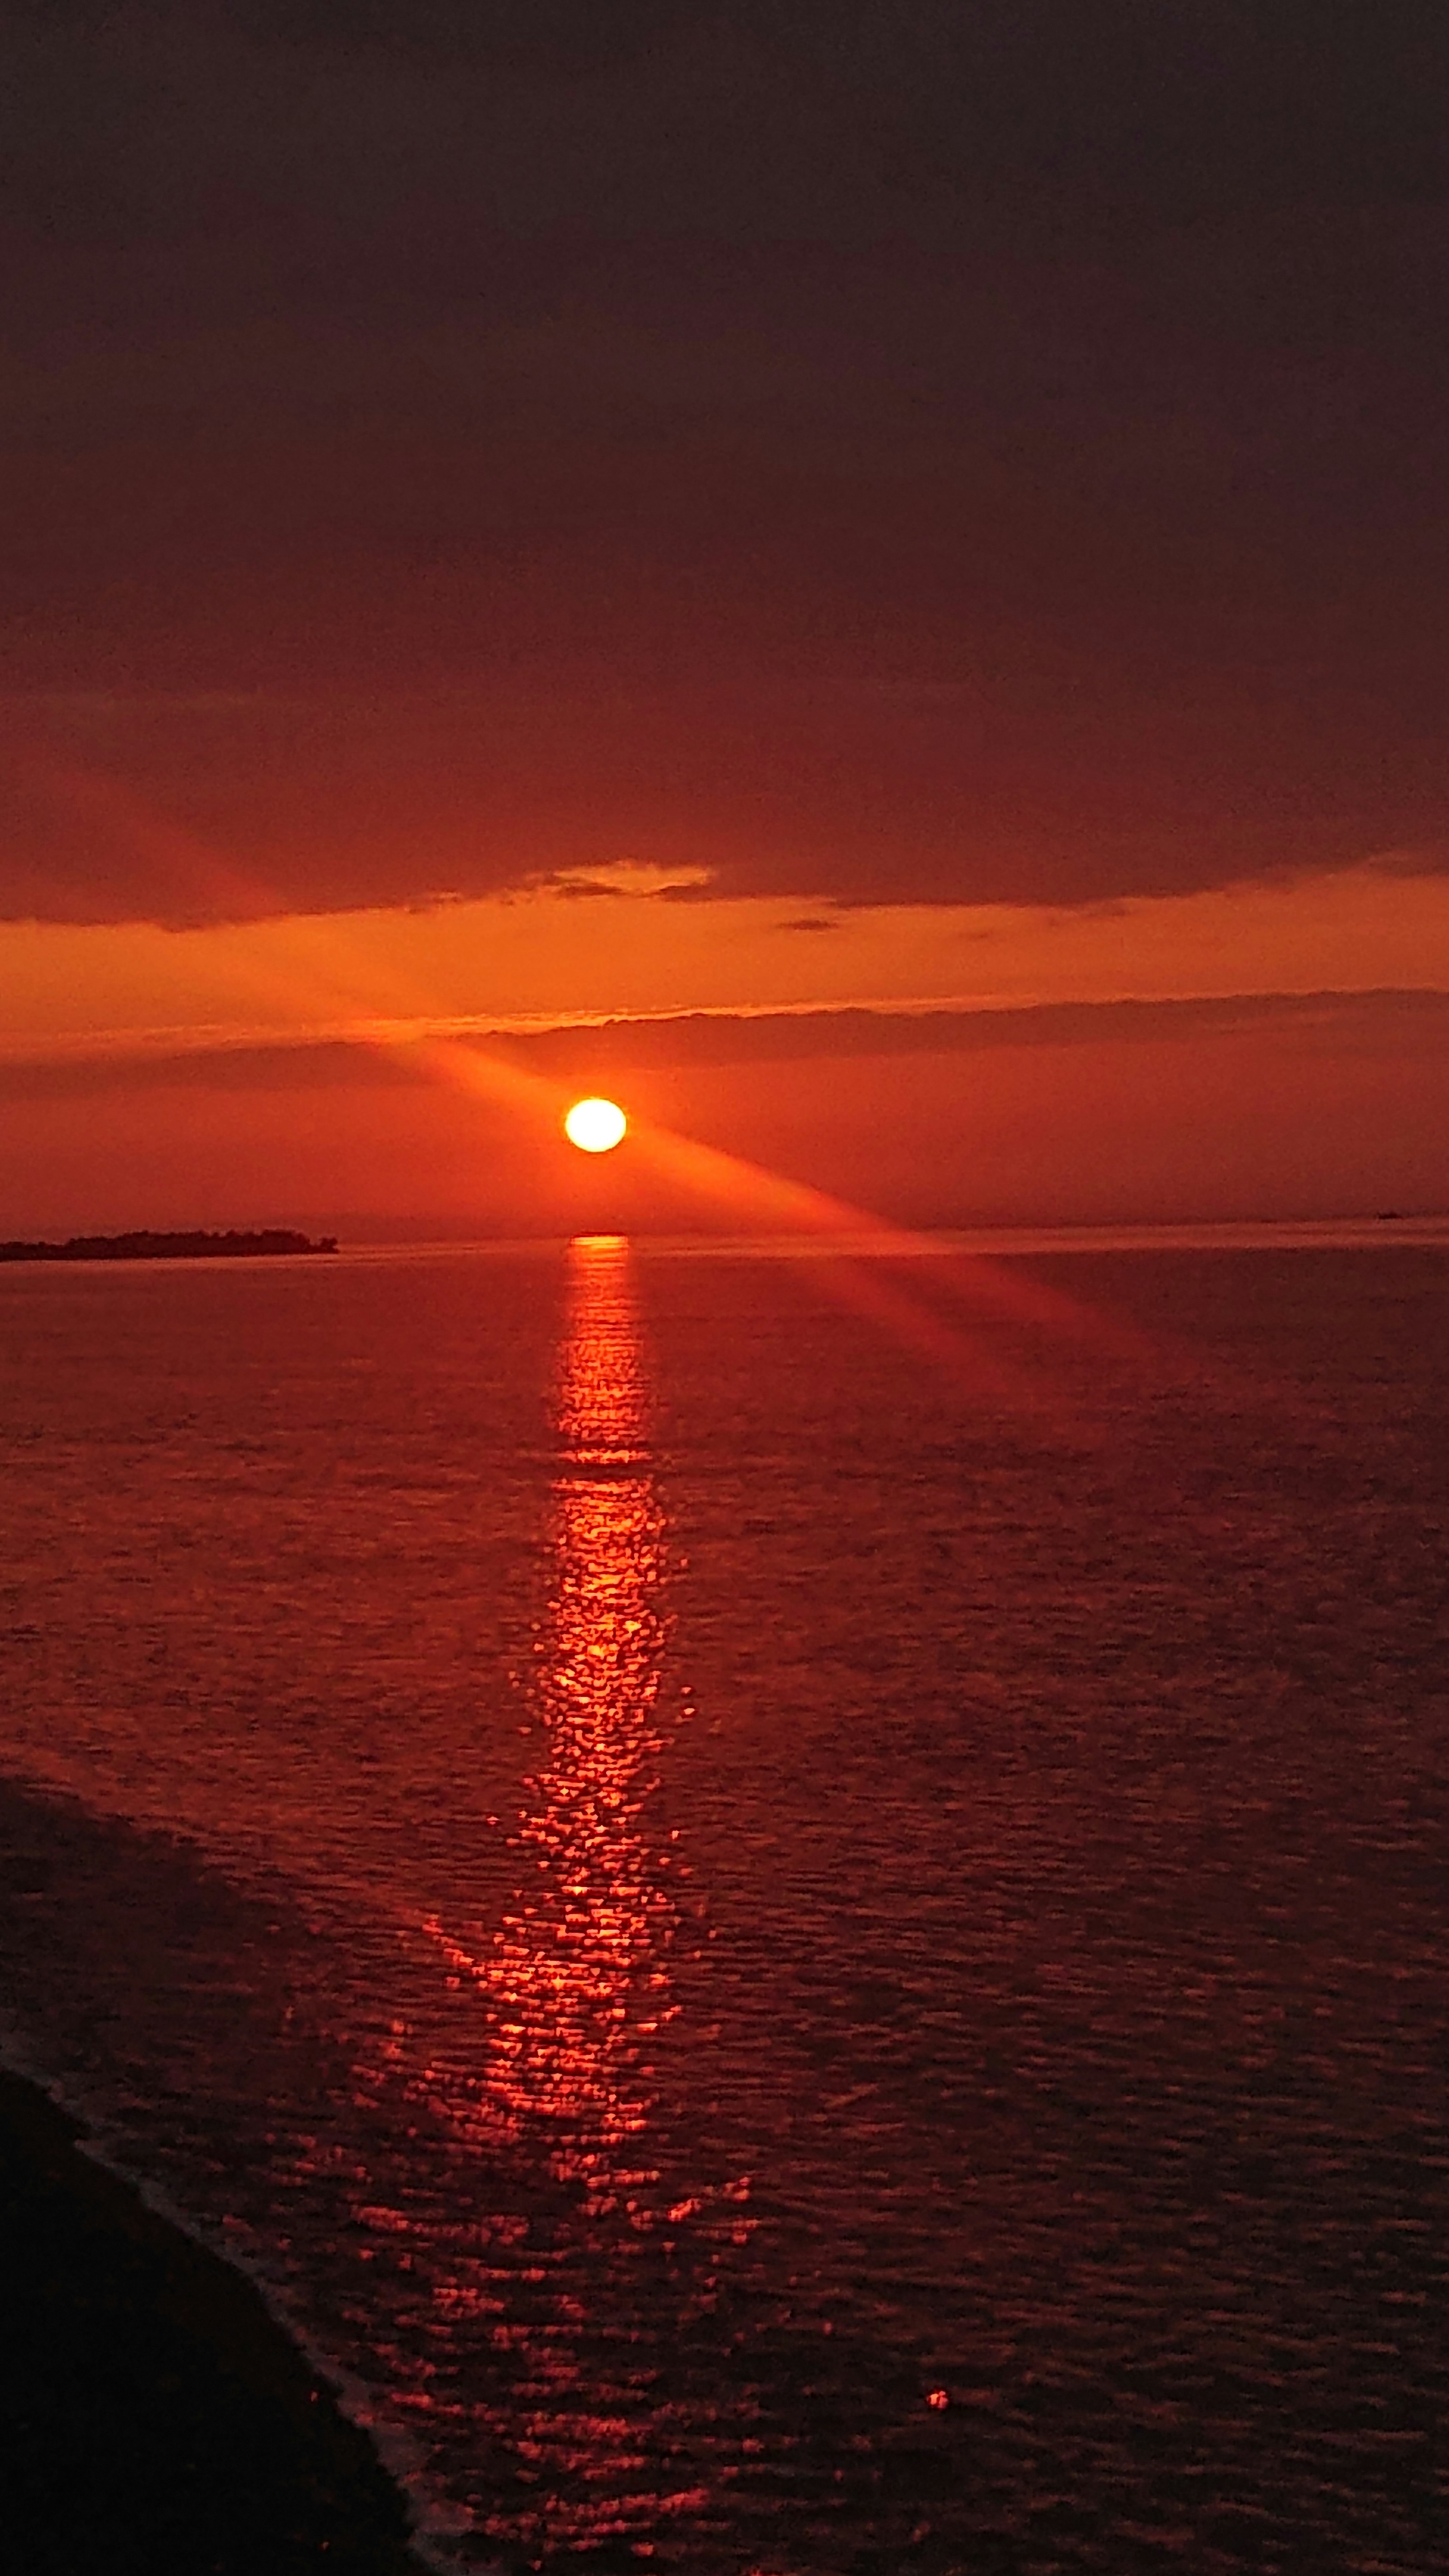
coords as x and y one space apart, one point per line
795 1907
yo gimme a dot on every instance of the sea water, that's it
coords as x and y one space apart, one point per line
793 1905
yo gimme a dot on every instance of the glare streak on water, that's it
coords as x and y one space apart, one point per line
800 1966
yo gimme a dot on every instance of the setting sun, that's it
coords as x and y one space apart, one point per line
595 1126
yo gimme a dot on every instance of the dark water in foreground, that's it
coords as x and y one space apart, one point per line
798 1908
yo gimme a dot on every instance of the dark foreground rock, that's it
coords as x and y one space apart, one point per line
153 2417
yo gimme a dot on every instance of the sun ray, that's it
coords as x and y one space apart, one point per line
320 977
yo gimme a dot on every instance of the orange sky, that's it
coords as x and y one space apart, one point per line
270 1069
623 951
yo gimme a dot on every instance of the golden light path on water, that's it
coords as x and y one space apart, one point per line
575 1979
574 1988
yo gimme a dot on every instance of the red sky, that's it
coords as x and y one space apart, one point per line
517 518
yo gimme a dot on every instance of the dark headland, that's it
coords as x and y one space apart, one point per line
171 1247
153 2416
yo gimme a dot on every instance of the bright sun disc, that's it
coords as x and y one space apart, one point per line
595 1126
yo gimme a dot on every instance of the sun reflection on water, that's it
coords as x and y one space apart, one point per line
576 1981
568 2252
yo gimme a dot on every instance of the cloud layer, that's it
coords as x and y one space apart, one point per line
582 1056
867 453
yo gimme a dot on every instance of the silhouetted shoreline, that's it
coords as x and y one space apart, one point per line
231 1246
154 2413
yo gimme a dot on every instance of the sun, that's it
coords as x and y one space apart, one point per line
596 1126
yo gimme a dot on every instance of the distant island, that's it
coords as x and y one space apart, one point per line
170 1247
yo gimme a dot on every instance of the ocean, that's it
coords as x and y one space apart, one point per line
793 1905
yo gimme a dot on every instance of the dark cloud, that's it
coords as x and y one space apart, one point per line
870 452
1393 1021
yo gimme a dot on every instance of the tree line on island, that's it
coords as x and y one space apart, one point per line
195 1245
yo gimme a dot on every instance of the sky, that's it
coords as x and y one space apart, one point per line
867 577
